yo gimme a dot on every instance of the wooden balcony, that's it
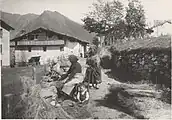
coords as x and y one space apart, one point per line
37 42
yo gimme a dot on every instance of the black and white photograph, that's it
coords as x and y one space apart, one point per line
85 59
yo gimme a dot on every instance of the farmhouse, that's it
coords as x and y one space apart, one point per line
50 35
5 43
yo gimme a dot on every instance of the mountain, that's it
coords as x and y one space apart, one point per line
53 21
17 21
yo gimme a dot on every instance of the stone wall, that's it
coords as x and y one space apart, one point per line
142 65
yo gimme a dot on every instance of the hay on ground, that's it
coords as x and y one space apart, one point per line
36 106
75 110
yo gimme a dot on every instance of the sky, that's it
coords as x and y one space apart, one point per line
75 9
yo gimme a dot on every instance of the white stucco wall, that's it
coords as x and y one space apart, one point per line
73 48
51 52
25 55
5 47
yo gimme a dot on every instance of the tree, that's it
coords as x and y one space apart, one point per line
108 19
103 16
117 33
92 25
135 19
95 41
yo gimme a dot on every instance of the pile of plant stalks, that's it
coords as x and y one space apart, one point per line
36 107
62 60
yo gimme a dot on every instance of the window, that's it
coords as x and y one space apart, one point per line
44 48
61 48
25 37
29 49
105 43
1 48
1 33
36 37
50 35
15 43
60 37
31 37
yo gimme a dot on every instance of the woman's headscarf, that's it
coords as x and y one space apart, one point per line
73 58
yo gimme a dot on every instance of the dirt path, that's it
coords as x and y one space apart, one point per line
97 105
100 109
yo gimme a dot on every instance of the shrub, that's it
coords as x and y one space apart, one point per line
166 95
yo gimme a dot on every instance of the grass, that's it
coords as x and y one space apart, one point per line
11 82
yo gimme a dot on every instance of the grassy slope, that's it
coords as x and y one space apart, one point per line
11 81
161 42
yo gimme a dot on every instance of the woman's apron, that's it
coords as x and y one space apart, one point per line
68 87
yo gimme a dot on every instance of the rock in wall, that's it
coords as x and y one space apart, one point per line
144 64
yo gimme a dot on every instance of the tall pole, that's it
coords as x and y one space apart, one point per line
8 108
34 73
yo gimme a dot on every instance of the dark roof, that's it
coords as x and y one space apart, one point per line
5 25
58 23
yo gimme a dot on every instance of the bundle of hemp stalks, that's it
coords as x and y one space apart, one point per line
37 107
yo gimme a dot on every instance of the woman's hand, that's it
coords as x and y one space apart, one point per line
64 82
67 80
64 76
